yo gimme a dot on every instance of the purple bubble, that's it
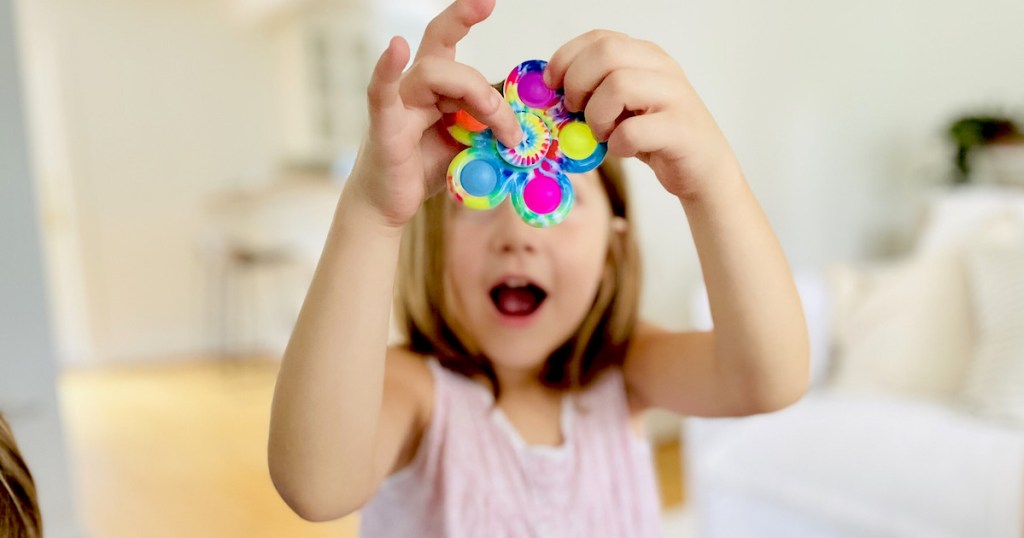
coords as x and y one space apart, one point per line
533 91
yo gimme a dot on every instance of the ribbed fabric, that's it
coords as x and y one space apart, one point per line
995 380
473 475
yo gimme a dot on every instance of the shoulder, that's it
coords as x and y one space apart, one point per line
610 388
407 373
407 407
407 365
643 333
639 344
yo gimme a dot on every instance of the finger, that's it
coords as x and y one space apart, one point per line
438 153
607 55
560 60
451 25
641 135
383 89
438 83
623 93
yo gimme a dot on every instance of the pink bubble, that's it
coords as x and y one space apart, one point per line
542 195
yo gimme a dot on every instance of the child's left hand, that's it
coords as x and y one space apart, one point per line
635 96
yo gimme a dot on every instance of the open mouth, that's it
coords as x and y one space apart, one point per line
518 298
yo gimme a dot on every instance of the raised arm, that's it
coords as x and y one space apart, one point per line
341 418
756 358
638 98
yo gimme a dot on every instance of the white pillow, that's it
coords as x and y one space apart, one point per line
903 327
995 382
956 216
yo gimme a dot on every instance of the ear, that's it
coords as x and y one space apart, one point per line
619 225
616 242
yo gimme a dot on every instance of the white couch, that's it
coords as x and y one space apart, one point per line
902 459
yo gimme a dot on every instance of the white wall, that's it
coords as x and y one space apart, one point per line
27 372
163 104
40 50
836 109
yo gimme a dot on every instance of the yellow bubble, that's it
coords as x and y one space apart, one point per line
475 202
577 140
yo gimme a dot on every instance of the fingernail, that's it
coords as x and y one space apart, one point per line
547 78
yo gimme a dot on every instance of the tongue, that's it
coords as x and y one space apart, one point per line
516 301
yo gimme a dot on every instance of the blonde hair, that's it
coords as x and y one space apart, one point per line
423 301
19 509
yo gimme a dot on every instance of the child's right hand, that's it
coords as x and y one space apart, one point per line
405 154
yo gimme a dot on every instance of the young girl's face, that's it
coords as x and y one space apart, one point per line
522 291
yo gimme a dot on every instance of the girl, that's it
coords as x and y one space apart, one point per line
515 407
19 508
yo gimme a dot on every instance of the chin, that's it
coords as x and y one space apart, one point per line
517 353
518 356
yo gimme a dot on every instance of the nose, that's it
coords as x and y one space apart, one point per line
511 234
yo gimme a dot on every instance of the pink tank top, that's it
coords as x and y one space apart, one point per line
474 476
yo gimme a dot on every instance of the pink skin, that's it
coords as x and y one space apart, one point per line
566 260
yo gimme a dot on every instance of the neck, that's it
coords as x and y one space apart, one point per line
521 382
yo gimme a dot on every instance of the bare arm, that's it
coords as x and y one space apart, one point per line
760 347
756 359
342 415
327 402
637 98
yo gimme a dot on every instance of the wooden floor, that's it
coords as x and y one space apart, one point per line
180 450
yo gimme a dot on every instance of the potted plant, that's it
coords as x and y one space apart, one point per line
973 133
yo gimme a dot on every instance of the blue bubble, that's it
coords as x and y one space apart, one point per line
478 178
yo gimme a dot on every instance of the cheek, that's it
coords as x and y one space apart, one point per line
464 245
463 263
463 267
582 263
585 234
583 241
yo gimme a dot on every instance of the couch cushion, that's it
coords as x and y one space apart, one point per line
903 327
954 216
872 466
995 382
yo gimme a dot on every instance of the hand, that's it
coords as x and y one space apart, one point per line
405 154
635 96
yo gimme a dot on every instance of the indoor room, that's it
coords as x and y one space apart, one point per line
170 171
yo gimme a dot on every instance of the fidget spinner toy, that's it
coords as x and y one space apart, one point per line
533 172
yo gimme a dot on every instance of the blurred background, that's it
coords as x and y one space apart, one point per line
170 168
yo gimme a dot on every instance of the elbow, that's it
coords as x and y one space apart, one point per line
764 403
779 400
791 382
768 377
776 393
312 508
790 393
313 515
309 509
312 503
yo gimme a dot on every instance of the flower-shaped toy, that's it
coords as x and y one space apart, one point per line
555 142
